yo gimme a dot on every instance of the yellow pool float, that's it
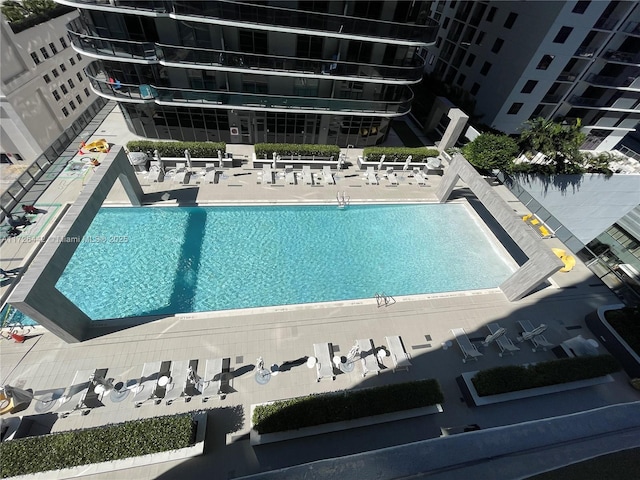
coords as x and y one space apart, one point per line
568 260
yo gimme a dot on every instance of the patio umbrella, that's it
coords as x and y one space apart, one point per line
405 167
156 154
340 161
187 157
536 331
381 162
494 336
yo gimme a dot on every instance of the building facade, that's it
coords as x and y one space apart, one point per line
43 87
328 72
554 59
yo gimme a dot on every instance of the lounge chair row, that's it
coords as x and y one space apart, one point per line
498 335
370 358
371 176
268 175
166 381
181 174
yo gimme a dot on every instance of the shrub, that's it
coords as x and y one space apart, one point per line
489 151
626 322
399 154
300 412
94 445
265 150
176 149
514 378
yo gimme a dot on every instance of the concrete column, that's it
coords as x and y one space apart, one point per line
451 135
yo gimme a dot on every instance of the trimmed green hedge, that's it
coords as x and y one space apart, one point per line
94 445
399 154
283 149
176 149
626 322
512 378
312 410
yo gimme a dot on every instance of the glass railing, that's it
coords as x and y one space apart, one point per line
622 57
614 104
619 81
632 28
586 52
110 48
606 23
551 98
422 32
116 90
412 70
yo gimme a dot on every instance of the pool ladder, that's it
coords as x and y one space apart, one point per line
384 300
343 199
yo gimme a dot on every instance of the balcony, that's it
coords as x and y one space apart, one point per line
600 104
91 45
606 23
135 93
622 57
567 77
632 28
553 99
585 52
275 18
620 81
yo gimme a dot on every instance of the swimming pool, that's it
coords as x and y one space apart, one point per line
167 260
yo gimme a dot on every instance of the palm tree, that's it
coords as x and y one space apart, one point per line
559 142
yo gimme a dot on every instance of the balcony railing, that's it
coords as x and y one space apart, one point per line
410 72
622 57
619 81
124 92
551 98
606 23
632 28
585 52
567 77
423 32
599 103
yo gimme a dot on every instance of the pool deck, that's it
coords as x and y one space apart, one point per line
45 363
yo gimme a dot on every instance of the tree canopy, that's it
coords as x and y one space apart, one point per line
490 151
15 11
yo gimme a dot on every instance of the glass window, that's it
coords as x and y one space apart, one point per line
63 42
44 52
71 84
72 105
479 38
56 95
46 79
438 42
35 58
72 61
537 111
514 109
86 92
544 63
53 48
485 68
79 99
64 89
79 56
581 6
65 111
55 73
79 75
461 78
497 45
563 34
470 59
491 14
474 89
445 24
511 19
62 67
529 86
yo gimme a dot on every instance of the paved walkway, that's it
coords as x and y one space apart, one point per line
47 365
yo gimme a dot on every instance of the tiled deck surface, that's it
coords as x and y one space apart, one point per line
44 363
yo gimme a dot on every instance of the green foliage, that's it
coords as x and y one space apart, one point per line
311 410
598 163
513 378
176 149
94 445
28 13
265 150
626 322
490 151
399 154
561 143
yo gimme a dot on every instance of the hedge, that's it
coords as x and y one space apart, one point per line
176 149
94 445
399 154
265 150
308 411
513 378
626 322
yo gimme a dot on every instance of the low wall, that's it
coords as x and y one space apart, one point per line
297 162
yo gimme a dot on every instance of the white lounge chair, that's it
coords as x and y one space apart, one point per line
328 175
538 341
419 177
307 176
399 355
504 343
175 389
267 174
391 176
469 350
181 175
145 388
210 173
289 175
212 383
156 173
80 396
371 176
368 358
324 364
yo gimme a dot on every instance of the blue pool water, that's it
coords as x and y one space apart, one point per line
148 261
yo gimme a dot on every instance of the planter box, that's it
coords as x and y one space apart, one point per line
125 463
529 392
612 341
258 439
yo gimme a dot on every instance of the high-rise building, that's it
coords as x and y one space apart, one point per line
44 90
329 72
560 60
